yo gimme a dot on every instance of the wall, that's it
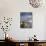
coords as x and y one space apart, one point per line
12 8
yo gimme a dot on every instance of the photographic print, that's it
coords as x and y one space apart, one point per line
25 19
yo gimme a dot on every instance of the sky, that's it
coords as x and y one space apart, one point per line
25 16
